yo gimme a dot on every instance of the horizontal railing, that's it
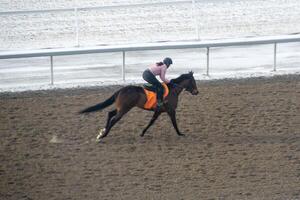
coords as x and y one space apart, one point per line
21 12
77 10
151 46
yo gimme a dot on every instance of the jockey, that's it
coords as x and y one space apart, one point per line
160 69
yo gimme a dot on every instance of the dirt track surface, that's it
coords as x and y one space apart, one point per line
243 142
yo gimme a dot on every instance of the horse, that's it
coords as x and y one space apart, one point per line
134 96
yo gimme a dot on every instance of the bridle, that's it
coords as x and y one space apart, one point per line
181 87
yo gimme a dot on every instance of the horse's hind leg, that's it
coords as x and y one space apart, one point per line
125 101
110 115
119 114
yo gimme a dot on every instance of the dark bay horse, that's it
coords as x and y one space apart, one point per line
134 96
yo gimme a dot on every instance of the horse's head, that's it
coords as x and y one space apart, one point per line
191 85
187 81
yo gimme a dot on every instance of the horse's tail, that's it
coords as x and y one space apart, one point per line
101 105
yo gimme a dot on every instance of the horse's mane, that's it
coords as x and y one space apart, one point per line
182 77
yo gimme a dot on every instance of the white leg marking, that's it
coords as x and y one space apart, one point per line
101 132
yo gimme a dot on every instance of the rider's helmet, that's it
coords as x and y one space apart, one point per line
167 61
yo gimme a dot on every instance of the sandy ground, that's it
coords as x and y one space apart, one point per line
243 142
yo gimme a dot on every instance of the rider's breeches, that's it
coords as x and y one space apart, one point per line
150 78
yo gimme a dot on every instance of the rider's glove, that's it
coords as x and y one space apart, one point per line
173 84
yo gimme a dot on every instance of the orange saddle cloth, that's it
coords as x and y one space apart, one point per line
151 97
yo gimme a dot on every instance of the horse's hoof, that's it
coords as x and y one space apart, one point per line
100 135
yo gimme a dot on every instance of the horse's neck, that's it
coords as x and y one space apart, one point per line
177 90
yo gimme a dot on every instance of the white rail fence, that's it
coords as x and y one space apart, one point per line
152 46
76 12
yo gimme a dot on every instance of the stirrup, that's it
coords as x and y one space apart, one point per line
160 104
157 108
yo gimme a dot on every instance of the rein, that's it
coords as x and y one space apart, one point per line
177 85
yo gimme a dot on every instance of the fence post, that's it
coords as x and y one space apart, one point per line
123 67
207 61
195 18
275 57
51 71
76 26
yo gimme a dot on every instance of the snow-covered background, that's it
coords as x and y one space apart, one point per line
216 19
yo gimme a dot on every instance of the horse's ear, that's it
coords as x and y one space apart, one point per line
191 73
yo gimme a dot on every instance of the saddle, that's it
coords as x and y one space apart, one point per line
150 92
149 87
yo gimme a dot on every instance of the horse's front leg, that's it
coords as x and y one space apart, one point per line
172 114
154 117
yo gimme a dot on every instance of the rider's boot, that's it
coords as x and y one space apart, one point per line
160 101
159 104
